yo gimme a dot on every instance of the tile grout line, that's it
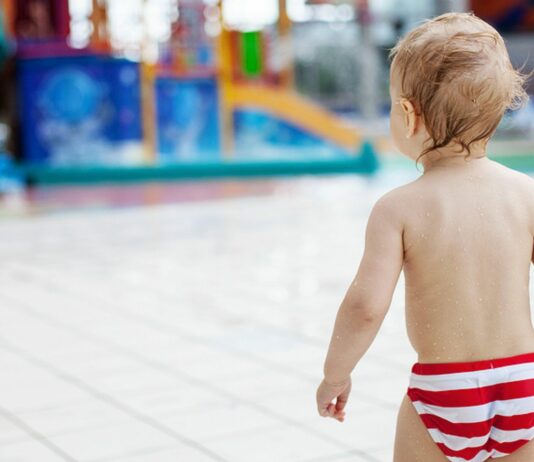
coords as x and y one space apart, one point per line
169 370
333 457
36 435
163 294
60 433
80 384
192 338
124 456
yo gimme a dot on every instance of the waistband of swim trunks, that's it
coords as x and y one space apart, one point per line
451 368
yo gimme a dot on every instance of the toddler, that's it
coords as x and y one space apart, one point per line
463 233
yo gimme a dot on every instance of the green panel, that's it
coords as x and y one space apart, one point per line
251 53
367 162
521 162
197 170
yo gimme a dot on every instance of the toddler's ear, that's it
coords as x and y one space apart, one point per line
410 116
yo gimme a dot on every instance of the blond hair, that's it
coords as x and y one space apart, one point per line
456 71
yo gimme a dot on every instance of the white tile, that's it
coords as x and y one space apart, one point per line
159 401
218 419
134 379
281 443
354 456
39 391
384 453
108 442
28 451
390 391
222 367
254 387
175 454
74 417
10 432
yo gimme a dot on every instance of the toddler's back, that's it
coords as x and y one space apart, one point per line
468 240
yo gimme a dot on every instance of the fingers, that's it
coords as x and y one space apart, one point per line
341 401
328 409
338 415
331 411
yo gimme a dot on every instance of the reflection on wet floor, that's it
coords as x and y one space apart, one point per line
125 195
60 198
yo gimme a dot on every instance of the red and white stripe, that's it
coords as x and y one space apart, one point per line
476 410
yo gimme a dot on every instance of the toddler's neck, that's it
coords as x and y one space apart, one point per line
434 160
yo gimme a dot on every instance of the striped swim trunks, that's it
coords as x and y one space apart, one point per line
478 409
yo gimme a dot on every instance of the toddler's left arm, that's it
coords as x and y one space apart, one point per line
365 304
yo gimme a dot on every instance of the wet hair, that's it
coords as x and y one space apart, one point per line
456 71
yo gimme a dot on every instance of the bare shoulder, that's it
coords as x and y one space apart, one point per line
401 198
511 174
521 182
521 186
396 203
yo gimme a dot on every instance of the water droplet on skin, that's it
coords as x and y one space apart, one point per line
459 229
427 214
480 299
481 214
434 343
428 326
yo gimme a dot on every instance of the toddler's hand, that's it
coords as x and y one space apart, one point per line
328 392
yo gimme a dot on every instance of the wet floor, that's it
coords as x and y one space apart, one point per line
191 330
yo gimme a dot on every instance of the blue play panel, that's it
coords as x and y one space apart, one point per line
78 110
187 120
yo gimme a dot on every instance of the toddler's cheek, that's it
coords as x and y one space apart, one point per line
396 133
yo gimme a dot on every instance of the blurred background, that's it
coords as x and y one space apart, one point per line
184 189
149 89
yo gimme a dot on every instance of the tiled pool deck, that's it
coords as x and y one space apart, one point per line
193 332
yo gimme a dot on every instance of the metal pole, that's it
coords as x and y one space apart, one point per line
369 64
225 81
284 36
446 6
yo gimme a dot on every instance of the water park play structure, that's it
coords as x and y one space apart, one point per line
213 103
